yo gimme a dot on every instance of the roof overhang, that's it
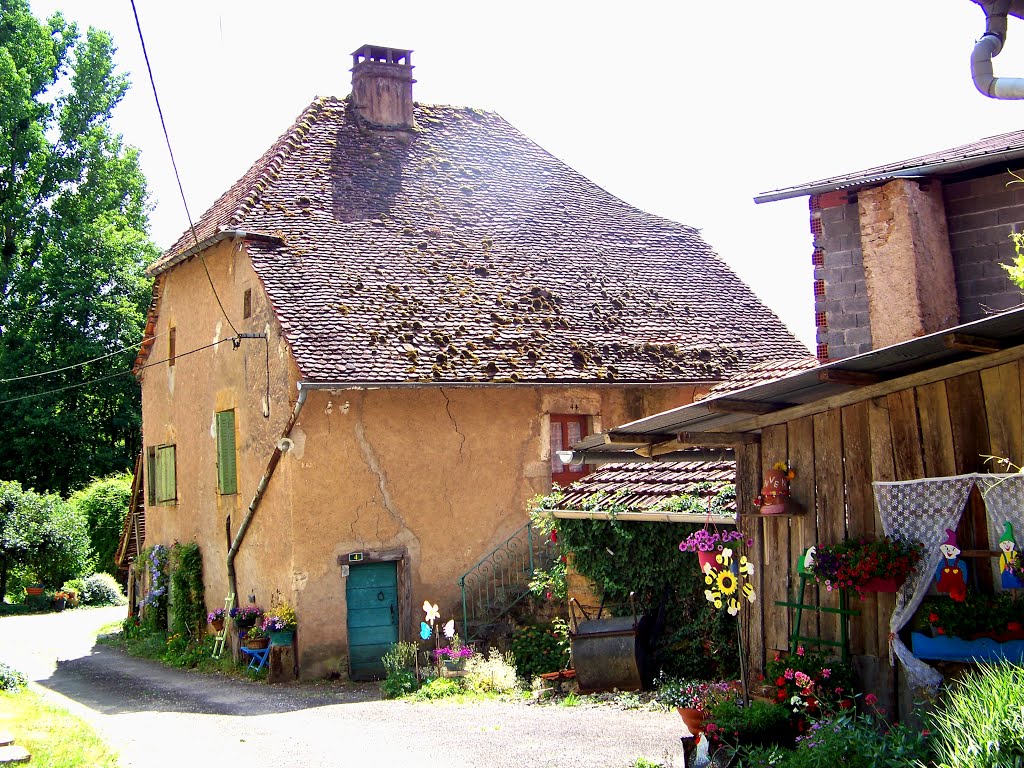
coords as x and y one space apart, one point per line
649 517
168 261
727 419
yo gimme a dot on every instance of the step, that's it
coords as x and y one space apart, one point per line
12 754
6 739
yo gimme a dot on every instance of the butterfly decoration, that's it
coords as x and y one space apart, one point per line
425 630
449 629
432 612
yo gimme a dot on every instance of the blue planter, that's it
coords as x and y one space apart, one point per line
944 648
282 637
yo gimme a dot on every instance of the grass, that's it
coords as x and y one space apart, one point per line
157 646
55 737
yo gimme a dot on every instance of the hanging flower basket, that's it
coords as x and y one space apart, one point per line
708 543
891 584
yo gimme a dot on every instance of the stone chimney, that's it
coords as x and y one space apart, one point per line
382 86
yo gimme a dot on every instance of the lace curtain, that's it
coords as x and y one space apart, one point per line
920 510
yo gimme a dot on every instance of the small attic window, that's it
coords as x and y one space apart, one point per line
247 304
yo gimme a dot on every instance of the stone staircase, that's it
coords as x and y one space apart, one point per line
10 753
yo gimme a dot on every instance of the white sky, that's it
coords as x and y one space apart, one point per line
683 109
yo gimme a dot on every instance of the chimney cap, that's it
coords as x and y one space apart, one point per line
382 54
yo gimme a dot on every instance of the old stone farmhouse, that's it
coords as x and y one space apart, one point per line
361 363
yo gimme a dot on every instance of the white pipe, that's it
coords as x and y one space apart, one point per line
987 48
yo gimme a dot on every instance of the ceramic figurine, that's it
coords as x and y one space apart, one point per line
774 498
1007 556
951 573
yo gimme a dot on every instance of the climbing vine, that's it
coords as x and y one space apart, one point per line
620 557
154 604
188 599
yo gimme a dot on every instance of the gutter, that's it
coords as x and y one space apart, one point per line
713 455
930 169
381 384
987 48
161 266
282 445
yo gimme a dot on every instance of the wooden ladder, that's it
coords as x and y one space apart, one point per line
222 637
844 611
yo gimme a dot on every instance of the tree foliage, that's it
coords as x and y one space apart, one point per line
104 504
42 538
73 243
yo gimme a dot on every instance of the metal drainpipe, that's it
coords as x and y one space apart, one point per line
275 457
987 48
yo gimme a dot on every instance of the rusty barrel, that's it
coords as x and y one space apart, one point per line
611 653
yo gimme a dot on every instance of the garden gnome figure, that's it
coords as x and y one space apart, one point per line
951 573
1008 556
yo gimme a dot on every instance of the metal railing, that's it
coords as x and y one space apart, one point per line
501 579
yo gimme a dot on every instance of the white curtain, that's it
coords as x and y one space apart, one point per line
919 510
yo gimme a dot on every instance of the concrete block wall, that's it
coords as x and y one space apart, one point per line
841 299
981 214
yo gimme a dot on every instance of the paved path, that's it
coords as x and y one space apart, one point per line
156 716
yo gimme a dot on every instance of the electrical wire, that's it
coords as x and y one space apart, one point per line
110 376
174 165
80 365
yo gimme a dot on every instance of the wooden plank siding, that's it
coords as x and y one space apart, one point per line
748 485
934 429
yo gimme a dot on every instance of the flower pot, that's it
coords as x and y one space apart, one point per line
880 584
59 603
693 719
282 637
257 642
33 591
217 624
707 558
946 648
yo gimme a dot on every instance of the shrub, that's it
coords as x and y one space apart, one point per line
439 688
188 597
980 720
101 589
538 649
398 683
756 724
11 679
493 672
399 663
104 505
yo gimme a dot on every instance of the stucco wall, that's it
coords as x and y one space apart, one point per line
437 476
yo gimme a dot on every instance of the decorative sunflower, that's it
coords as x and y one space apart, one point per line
730 582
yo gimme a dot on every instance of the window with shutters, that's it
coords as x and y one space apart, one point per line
227 470
161 479
566 429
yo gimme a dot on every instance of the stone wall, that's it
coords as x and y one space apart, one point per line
981 214
840 296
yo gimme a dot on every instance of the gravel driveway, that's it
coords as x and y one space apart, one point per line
156 716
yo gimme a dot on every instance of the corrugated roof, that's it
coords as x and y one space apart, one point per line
462 252
645 486
762 372
1002 148
722 412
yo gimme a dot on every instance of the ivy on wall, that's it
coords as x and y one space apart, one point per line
620 557
188 598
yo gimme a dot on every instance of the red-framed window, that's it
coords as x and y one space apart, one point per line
566 430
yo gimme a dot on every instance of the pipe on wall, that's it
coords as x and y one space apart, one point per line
279 447
987 48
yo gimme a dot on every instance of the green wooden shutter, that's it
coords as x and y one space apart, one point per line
166 485
151 474
226 465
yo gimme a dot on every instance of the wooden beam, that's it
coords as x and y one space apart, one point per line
716 439
965 342
887 387
849 378
674 446
742 406
635 438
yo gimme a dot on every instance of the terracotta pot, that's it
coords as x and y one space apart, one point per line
693 719
257 642
217 624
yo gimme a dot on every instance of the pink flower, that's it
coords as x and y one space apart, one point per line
799 650
826 673
802 679
871 699
788 674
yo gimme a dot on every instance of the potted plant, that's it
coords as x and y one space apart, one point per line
280 623
216 619
865 565
246 615
980 627
692 699
707 543
61 600
810 683
453 655
255 637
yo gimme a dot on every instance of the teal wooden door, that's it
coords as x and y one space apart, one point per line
372 595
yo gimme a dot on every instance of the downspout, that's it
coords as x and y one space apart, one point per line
987 48
261 488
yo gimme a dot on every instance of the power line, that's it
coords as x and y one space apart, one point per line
109 376
80 365
174 165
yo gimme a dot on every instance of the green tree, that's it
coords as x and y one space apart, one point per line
42 538
73 245
104 505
